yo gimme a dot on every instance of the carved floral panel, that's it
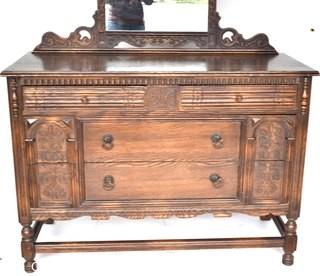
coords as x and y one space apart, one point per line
271 141
51 143
54 183
268 180
273 137
50 161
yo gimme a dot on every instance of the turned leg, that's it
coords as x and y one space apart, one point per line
266 217
28 248
290 242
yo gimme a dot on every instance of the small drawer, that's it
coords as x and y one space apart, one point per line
160 180
235 97
184 140
46 98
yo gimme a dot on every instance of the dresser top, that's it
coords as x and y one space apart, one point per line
33 64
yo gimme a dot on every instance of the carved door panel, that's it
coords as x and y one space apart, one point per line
272 148
51 161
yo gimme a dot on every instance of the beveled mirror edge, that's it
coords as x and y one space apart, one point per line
97 39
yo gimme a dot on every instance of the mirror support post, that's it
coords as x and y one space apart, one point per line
213 23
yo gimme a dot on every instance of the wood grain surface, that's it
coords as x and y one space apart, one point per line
161 180
140 140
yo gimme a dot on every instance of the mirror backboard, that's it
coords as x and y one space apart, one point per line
157 15
157 26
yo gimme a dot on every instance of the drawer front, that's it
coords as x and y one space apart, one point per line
161 141
160 180
173 98
282 97
46 98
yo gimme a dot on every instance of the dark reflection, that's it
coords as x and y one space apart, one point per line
126 14
100 63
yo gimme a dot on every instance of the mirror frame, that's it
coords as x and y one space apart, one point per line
97 38
102 10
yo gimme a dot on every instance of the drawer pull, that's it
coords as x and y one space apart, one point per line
107 141
217 140
216 180
108 183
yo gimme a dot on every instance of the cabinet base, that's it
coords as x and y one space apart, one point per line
283 241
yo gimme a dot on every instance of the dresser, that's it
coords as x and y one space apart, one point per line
162 131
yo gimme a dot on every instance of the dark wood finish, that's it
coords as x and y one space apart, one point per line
214 39
158 132
195 68
290 242
266 217
61 247
280 224
181 244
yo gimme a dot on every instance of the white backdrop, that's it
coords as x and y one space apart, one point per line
288 24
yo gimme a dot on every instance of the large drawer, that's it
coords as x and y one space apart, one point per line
160 180
143 140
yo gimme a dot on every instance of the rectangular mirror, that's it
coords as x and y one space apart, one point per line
157 15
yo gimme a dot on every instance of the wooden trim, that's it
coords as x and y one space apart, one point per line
280 224
214 40
36 229
165 244
143 245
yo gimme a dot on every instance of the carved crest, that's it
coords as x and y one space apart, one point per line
216 39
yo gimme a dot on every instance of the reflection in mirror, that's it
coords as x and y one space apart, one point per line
157 15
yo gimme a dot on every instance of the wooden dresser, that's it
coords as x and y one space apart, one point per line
162 131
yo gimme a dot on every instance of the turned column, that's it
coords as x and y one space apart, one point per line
28 248
290 242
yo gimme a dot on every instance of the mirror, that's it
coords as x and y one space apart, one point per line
157 15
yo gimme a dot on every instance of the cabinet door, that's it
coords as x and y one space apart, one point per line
272 147
51 161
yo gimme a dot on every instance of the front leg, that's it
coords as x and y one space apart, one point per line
28 248
290 242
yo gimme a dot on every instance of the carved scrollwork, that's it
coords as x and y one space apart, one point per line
81 38
105 215
237 41
215 39
146 40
